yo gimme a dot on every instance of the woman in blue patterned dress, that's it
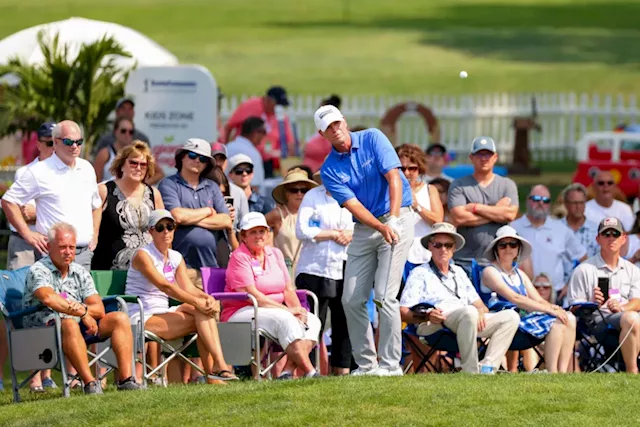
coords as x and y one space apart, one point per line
539 318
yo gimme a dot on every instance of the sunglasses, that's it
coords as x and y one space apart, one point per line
160 227
440 245
611 233
483 155
302 190
513 245
193 156
69 142
135 164
125 131
542 199
603 183
242 171
47 143
409 168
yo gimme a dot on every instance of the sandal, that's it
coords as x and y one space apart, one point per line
37 389
222 375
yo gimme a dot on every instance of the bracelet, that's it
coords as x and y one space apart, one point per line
86 311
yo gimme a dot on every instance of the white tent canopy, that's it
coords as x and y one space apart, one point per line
79 31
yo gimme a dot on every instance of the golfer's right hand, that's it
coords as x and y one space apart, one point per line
38 241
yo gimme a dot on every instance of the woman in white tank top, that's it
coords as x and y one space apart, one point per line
427 207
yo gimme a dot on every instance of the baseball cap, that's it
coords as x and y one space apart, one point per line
483 143
253 220
610 223
436 146
46 130
218 148
124 100
279 94
326 115
159 214
239 159
198 146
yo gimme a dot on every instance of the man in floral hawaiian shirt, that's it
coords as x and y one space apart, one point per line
66 287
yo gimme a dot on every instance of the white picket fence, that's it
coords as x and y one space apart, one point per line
564 117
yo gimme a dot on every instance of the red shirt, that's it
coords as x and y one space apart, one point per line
269 148
315 151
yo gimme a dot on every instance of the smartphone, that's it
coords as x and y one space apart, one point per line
603 284
228 200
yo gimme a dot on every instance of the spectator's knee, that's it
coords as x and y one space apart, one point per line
69 326
572 322
510 316
471 313
630 319
119 317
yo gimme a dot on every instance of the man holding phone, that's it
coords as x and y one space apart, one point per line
613 283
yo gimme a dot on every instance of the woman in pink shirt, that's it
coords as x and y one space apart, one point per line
260 271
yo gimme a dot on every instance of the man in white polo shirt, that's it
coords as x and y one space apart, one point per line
604 205
64 189
552 241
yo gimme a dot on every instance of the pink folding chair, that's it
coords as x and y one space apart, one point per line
213 282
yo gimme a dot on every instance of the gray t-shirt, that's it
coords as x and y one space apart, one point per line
467 190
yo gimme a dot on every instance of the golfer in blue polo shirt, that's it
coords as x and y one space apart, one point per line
362 174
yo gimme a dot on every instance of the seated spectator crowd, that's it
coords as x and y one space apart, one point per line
510 291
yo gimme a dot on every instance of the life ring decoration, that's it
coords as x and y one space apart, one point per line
392 115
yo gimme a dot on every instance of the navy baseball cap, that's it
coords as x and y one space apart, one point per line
124 100
436 147
483 143
46 130
279 95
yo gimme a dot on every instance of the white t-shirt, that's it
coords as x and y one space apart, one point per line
634 246
618 209
418 254
19 174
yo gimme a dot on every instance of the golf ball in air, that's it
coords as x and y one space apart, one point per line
463 74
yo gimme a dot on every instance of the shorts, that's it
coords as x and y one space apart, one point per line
89 339
134 314
601 325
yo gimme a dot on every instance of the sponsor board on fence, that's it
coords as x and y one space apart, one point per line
173 104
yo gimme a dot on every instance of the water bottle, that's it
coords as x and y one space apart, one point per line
493 300
314 221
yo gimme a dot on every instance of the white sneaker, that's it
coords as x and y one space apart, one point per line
389 372
363 371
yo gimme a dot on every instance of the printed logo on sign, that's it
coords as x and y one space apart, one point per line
170 86
169 139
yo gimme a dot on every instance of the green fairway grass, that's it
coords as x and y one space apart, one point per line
380 47
416 400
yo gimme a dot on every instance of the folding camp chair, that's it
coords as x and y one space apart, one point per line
38 348
595 348
213 281
113 282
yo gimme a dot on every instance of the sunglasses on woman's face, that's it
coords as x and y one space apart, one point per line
512 245
301 190
409 168
69 142
193 156
440 245
161 227
126 131
135 164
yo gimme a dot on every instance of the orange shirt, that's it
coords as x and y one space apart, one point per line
315 151
269 148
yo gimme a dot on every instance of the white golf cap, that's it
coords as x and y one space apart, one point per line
239 159
159 214
326 115
253 220
198 146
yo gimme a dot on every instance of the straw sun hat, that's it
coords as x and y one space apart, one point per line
293 176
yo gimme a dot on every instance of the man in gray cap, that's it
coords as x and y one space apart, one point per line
481 203
613 283
124 108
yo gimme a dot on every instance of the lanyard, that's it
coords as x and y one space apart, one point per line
440 277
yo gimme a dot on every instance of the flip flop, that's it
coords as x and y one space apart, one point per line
37 389
223 375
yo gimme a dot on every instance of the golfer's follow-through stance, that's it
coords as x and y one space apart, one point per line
362 174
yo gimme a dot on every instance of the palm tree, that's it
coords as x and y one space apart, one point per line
84 89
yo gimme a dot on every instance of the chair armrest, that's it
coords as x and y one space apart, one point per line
583 309
230 296
24 312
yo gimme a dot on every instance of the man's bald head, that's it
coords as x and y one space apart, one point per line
67 129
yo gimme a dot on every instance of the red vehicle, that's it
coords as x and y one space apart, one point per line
617 152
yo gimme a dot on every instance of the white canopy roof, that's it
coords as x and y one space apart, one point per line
79 31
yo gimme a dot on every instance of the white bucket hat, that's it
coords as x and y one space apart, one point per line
502 233
444 228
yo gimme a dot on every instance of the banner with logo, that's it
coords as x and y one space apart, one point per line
173 104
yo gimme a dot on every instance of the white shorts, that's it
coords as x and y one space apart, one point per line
281 324
134 314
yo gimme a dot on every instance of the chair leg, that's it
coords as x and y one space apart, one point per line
66 385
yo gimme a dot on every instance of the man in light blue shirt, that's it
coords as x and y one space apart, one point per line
362 174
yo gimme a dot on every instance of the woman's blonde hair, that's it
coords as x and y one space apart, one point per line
137 149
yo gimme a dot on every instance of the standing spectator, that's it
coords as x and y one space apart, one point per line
230 242
240 203
427 208
552 241
242 172
604 205
124 108
632 250
127 203
252 133
282 220
481 203
325 230
362 174
196 203
442 185
436 159
620 311
21 254
317 147
65 190
265 108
